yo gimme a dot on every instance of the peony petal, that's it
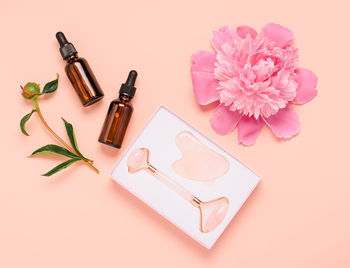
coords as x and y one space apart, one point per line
223 120
225 34
244 30
307 82
284 124
204 83
203 61
204 87
249 129
282 36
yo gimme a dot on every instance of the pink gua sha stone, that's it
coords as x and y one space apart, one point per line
198 162
212 213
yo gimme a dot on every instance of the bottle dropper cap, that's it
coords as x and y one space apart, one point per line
67 49
128 88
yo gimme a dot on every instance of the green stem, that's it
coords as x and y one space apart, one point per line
37 109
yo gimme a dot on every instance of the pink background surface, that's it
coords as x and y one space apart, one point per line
297 217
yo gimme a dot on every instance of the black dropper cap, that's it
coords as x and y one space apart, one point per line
67 49
128 88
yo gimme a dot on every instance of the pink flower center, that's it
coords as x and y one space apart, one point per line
256 77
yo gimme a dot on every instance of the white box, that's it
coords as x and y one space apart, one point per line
159 136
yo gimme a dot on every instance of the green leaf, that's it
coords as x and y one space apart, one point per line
51 86
60 167
71 136
55 149
24 121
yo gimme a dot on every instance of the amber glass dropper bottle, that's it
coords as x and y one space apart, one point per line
119 114
79 73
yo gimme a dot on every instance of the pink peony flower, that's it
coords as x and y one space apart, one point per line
255 78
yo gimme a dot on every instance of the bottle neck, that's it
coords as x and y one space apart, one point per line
72 58
124 98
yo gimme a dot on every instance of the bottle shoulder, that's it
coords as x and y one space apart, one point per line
119 102
80 59
76 62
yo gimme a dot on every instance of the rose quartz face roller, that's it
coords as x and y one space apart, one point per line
212 213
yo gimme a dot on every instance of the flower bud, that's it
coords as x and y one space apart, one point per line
30 90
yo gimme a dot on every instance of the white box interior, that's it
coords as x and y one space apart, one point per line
159 136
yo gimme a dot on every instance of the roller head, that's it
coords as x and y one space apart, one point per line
138 159
212 213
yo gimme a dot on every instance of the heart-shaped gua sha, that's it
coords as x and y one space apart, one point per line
198 162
